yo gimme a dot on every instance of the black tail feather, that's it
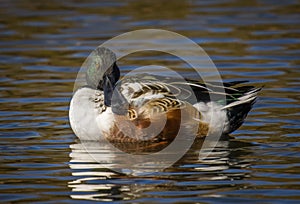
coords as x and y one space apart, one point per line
237 114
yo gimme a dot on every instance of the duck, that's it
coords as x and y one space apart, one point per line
153 108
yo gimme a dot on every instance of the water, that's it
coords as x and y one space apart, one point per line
44 44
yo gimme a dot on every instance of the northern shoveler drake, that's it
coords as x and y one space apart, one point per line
123 110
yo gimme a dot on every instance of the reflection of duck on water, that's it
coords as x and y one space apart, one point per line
91 181
134 109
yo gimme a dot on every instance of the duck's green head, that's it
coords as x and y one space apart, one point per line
101 66
103 72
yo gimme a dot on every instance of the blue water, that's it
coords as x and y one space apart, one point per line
43 45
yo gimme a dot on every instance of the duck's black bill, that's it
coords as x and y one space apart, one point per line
119 104
109 80
114 98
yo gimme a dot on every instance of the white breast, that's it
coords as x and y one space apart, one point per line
84 114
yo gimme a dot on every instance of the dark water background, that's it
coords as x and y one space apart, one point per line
42 46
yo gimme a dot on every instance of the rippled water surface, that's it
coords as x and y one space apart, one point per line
43 45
